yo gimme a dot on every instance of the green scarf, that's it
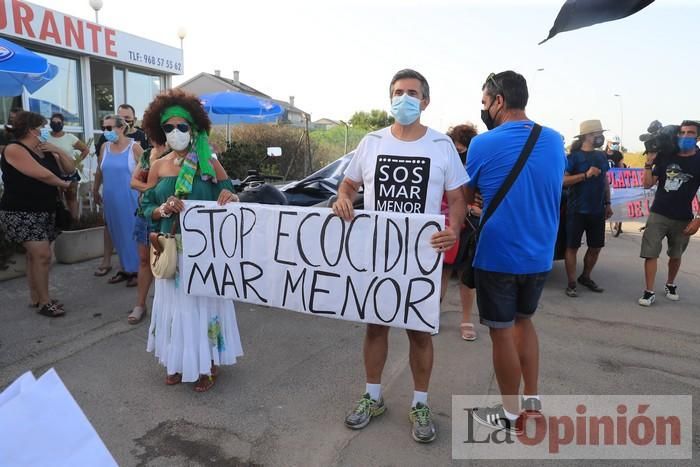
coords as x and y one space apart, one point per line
198 157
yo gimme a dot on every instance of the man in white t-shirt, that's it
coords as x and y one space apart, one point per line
406 167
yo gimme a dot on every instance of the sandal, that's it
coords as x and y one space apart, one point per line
120 276
468 332
172 380
52 311
132 281
136 315
205 383
102 271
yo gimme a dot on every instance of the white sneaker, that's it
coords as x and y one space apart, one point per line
648 299
672 292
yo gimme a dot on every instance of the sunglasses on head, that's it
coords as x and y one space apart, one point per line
181 127
492 79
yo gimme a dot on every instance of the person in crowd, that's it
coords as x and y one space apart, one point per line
31 174
191 336
6 133
106 264
588 204
677 178
461 136
116 163
127 112
139 181
72 146
613 151
514 252
407 140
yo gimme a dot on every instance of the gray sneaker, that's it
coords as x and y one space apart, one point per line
424 430
363 412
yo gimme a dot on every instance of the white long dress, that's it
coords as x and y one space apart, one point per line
187 333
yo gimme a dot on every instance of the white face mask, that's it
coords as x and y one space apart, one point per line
177 140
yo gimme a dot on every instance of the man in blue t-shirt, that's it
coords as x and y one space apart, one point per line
588 204
516 245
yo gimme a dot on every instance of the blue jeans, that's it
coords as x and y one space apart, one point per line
503 297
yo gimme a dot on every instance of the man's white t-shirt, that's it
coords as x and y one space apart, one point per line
406 176
67 143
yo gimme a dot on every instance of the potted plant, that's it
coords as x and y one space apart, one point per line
84 239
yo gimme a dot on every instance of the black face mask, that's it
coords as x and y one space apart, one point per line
56 126
486 117
598 141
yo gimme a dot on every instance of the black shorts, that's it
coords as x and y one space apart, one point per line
592 224
502 298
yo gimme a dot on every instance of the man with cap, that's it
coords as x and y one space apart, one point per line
613 153
588 204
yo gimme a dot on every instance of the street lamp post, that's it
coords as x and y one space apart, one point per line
181 33
97 6
622 138
346 136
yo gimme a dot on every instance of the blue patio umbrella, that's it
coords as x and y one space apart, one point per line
20 68
236 107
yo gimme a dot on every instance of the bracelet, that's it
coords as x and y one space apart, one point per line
161 211
585 176
648 166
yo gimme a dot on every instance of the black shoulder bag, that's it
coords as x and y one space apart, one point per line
468 272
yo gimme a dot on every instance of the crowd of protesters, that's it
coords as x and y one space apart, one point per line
508 179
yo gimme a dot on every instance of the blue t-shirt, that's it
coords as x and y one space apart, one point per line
588 196
519 237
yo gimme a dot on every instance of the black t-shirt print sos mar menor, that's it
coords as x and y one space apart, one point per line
401 183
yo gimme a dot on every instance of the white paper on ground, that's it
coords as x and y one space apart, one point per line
42 425
14 389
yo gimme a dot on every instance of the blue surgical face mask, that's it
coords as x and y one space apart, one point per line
111 136
44 135
686 143
405 109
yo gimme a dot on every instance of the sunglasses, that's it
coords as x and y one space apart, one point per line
181 127
107 127
492 79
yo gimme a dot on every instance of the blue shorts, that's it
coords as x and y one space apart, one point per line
502 298
141 230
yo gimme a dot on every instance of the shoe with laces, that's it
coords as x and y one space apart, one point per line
647 299
423 430
495 418
671 291
363 412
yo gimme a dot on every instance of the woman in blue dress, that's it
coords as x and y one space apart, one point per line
117 161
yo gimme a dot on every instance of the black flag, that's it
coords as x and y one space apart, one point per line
577 14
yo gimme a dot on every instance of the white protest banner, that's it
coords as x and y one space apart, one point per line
379 268
629 200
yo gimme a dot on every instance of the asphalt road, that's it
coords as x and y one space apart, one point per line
284 402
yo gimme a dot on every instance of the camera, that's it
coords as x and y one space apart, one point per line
660 139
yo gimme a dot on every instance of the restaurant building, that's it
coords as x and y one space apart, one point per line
99 68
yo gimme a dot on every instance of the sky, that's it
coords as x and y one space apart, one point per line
338 57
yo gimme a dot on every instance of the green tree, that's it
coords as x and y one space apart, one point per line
372 120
